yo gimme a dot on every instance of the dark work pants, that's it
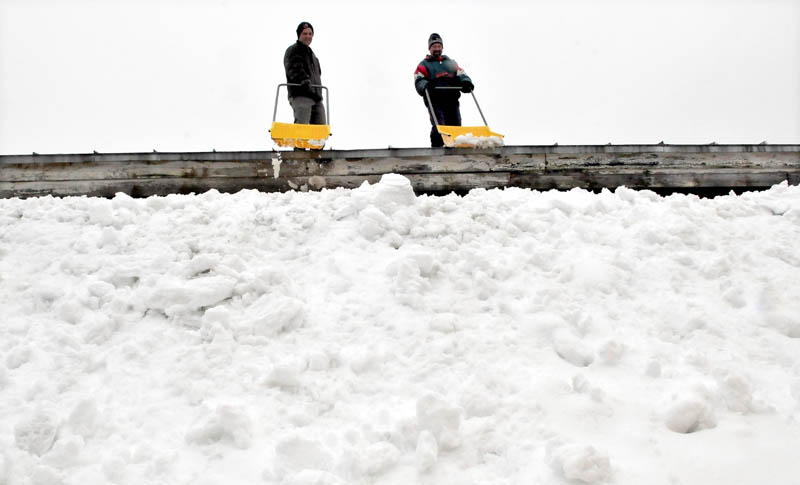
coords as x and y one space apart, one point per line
307 111
446 114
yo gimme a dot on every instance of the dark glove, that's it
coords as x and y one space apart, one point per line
305 83
467 87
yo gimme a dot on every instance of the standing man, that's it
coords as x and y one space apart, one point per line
302 67
438 70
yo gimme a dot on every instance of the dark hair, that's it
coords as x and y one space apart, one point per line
303 26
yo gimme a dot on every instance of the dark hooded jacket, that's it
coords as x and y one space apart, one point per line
301 64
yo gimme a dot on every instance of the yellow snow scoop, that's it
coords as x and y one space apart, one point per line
465 136
297 135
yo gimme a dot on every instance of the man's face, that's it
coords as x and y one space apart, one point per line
306 36
436 49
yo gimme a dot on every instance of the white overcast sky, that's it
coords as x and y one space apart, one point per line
116 76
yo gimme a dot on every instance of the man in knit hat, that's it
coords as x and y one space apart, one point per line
302 67
438 70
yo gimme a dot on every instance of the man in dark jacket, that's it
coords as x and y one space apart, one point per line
302 67
438 70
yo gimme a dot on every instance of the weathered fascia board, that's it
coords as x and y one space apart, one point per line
327 155
136 187
687 161
136 170
431 183
268 168
430 170
654 179
663 148
451 163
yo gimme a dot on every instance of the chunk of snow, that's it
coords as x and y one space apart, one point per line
36 433
689 414
226 424
427 451
270 316
579 462
296 453
442 419
572 349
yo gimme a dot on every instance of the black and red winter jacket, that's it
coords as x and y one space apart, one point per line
439 71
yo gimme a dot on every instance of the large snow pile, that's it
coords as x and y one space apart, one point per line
375 336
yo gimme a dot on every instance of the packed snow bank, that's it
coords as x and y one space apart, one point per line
376 336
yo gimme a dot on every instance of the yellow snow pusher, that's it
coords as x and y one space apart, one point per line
465 136
300 136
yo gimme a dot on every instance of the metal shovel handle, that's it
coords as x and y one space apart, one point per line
430 104
327 99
